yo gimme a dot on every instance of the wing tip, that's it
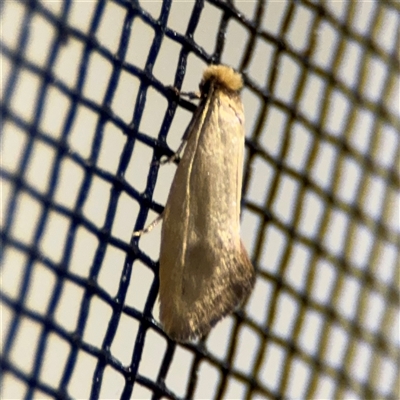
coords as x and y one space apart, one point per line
183 325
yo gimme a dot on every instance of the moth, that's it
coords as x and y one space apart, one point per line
205 272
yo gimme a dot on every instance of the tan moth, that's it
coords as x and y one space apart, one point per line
205 272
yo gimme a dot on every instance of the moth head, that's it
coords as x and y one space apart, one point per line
223 76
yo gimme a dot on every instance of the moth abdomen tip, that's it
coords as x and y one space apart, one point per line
224 76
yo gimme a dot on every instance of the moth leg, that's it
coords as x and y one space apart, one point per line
190 95
148 228
176 156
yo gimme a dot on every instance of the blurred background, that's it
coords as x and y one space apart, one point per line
87 106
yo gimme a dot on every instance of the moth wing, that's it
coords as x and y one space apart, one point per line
205 272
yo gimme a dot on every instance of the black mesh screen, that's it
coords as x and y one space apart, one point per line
87 106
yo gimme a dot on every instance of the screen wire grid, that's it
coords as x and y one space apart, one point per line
87 106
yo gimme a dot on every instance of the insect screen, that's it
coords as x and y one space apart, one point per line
88 106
